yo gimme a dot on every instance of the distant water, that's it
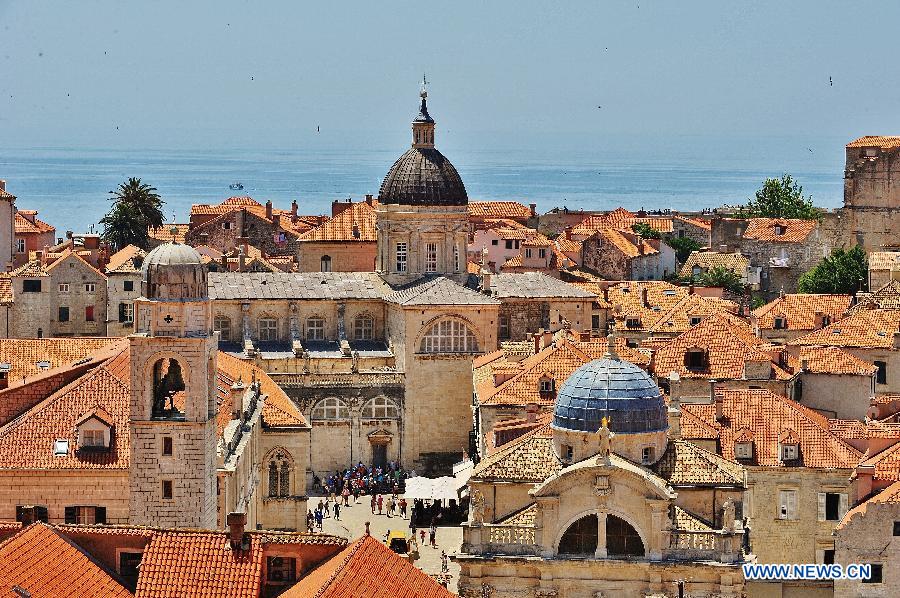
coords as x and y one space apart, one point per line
69 186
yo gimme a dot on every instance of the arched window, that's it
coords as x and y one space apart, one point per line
315 329
331 409
381 408
581 537
279 474
449 336
168 390
223 325
621 538
363 328
325 263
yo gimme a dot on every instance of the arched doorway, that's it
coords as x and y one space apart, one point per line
581 538
621 538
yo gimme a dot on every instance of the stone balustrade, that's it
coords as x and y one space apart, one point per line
501 539
717 545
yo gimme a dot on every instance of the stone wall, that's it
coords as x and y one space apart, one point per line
58 489
116 295
346 256
258 231
604 259
872 197
841 397
868 538
527 316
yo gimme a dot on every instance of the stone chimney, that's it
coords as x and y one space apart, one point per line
268 209
820 319
224 260
242 259
865 475
691 289
640 245
644 300
546 339
567 232
294 208
533 208
236 524
717 399
237 399
531 412
369 199
537 341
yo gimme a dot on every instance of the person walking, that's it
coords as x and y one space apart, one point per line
403 507
380 503
445 567
374 502
390 507
432 535
337 511
422 536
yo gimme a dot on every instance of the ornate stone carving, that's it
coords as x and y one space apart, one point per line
476 505
602 487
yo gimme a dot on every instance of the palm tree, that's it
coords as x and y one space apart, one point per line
137 207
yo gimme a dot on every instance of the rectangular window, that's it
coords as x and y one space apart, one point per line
509 244
828 556
876 576
167 490
743 450
787 504
63 315
93 438
39 513
281 569
881 374
832 506
89 313
226 225
456 259
431 257
20 245
315 329
128 285
647 455
832 500
89 287
31 286
168 448
401 257
128 567
897 528
789 452
528 252
63 287
503 331
780 324
495 242
126 313
542 253
568 452
595 321
268 329
86 515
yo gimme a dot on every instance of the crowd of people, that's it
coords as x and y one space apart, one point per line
360 480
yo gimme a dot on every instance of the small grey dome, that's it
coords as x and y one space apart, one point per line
612 388
173 271
423 177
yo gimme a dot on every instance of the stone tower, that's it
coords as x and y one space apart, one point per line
7 227
422 216
871 213
173 394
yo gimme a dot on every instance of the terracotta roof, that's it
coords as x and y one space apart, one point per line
882 141
124 259
165 235
697 429
76 255
699 222
686 464
621 219
201 565
30 269
529 458
227 205
367 568
886 463
890 495
278 410
4 194
23 354
708 260
627 298
833 360
626 243
498 209
358 219
24 226
868 328
799 311
682 316
884 260
729 343
887 297
567 245
769 416
794 230
45 563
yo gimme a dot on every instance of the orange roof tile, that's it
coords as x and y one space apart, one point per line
886 463
24 226
356 223
628 301
708 260
278 410
164 233
799 311
227 205
6 293
794 230
76 256
528 458
23 355
868 328
700 222
769 416
682 316
200 565
882 141
367 568
44 563
498 209
627 243
833 360
889 495
124 259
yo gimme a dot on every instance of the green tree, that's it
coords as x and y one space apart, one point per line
720 276
137 207
645 230
781 198
683 247
842 272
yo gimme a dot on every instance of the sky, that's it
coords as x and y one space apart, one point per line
501 74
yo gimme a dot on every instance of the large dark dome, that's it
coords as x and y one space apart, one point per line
423 177
611 388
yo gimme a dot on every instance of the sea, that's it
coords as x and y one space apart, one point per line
69 186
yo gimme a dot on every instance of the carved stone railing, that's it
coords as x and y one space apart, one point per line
710 545
501 539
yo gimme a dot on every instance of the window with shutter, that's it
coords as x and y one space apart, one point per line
821 505
70 514
787 504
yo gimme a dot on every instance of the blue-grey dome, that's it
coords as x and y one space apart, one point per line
612 388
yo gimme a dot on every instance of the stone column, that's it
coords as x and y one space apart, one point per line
601 552
658 533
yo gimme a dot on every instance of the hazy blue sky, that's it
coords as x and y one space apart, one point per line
181 74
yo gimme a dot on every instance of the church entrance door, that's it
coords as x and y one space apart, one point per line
379 455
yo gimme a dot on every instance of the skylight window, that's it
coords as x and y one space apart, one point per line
43 365
836 331
61 447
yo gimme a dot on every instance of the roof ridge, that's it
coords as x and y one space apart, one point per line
351 552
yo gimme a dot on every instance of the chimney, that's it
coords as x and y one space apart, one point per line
237 399
546 338
531 412
567 232
804 365
537 341
533 208
367 528
865 475
717 399
242 258
674 406
820 319
691 289
605 287
485 281
644 300
224 260
268 209
236 523
276 220
369 199
294 209
640 245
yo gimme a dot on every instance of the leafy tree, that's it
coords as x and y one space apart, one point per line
683 247
781 198
645 230
842 272
720 276
136 208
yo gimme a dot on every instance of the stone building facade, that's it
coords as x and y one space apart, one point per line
7 227
621 255
870 216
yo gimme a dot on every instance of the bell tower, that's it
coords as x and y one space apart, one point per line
173 394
